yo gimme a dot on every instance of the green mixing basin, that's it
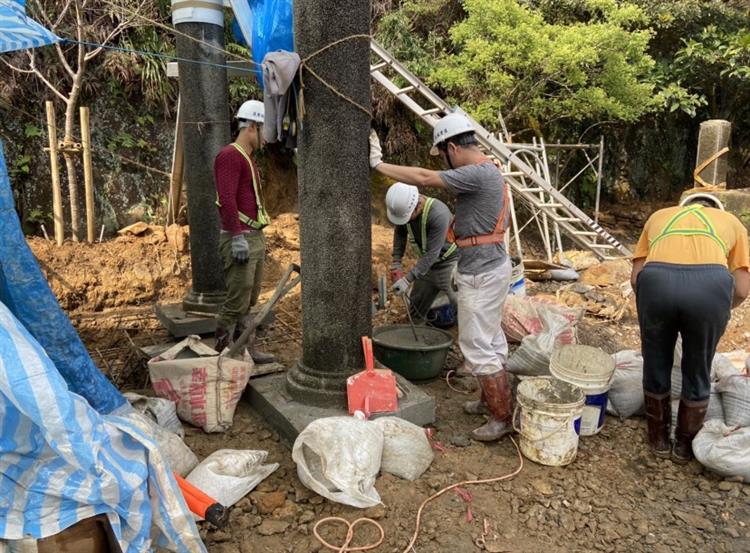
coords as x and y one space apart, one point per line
395 347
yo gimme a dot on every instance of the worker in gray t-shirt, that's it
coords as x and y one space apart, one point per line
483 276
424 222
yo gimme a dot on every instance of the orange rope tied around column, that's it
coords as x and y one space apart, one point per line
304 67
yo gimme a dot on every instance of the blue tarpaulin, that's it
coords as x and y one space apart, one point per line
24 290
18 31
265 26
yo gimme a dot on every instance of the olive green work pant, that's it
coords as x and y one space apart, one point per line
242 280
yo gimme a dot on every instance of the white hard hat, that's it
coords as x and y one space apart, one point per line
451 125
252 110
400 202
702 196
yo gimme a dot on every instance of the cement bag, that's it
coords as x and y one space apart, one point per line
339 458
532 358
735 398
228 475
724 449
180 457
407 452
522 316
626 390
162 411
205 387
715 409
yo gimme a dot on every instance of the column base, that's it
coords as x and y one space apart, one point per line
319 388
203 302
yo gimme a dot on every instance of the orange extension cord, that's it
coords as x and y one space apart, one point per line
345 547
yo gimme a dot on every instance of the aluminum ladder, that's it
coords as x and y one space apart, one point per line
533 188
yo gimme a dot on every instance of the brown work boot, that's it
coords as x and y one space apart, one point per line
496 390
690 417
658 419
223 339
477 406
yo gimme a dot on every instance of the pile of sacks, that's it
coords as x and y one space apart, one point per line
540 325
723 444
340 457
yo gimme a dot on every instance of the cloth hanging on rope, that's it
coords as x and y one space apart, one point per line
279 96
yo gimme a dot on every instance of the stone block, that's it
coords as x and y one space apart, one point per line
736 201
713 137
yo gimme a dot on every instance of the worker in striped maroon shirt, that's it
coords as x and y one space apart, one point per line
243 217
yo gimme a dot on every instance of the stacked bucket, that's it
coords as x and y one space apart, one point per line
552 412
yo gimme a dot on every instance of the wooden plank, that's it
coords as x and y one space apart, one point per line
57 210
178 167
88 174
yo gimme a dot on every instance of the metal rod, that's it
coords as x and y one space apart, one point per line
408 314
57 211
88 174
599 179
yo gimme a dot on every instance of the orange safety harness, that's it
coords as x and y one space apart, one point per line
497 236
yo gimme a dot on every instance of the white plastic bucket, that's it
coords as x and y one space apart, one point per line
517 280
546 418
591 369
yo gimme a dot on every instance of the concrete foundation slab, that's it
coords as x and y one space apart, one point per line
735 201
268 396
179 324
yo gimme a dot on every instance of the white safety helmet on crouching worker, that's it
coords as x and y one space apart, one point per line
400 202
702 197
252 110
451 125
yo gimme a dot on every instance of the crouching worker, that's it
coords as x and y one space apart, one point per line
484 269
690 269
424 222
243 217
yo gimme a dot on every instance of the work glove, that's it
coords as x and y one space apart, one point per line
401 286
397 272
240 249
376 151
454 279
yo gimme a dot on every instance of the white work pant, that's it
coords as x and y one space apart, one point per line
480 309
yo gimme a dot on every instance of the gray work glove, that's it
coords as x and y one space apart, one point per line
401 286
240 249
376 152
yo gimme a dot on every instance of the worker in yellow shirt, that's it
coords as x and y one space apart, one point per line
690 269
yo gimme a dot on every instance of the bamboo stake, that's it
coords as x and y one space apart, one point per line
57 210
88 177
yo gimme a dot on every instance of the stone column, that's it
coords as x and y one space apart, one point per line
334 199
712 138
204 99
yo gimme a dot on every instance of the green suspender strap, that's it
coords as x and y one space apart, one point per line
709 231
421 251
263 218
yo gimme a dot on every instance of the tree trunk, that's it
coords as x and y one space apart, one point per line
70 165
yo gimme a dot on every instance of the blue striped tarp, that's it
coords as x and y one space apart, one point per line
62 462
18 31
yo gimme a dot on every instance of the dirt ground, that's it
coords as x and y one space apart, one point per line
614 497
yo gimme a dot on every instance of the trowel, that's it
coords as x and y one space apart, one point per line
372 390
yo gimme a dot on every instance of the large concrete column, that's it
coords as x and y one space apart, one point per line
334 198
204 98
